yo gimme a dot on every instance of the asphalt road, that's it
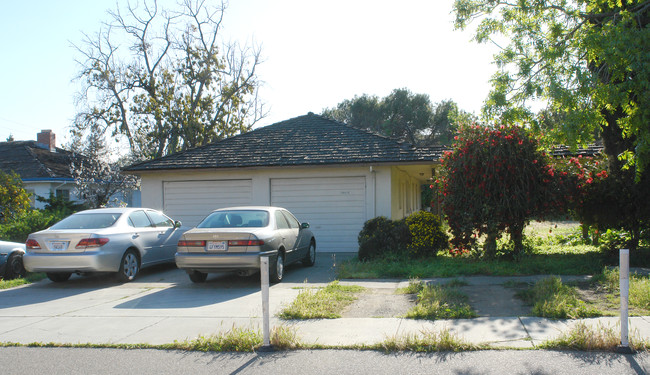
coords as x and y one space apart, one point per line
69 361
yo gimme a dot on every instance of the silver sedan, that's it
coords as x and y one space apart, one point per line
234 239
120 240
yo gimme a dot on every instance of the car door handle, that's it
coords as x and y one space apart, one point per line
135 235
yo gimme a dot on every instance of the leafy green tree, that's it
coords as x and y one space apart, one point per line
588 59
363 112
496 180
402 114
163 80
447 117
14 200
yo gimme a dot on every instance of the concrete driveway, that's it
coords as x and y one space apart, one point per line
162 305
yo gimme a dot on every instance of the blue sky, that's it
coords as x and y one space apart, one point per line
316 54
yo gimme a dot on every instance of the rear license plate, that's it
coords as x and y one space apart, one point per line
58 245
217 246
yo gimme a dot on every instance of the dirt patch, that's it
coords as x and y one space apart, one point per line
495 300
486 300
380 303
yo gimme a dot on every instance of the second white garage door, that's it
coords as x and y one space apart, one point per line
334 207
191 201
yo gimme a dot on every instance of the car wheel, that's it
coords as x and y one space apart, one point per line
15 267
310 257
197 277
277 272
129 266
58 277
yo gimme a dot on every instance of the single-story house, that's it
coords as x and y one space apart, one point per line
327 173
43 167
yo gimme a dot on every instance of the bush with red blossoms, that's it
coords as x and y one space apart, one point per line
496 180
608 199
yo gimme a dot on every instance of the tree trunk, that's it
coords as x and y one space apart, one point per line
490 245
517 238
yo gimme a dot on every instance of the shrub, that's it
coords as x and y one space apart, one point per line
427 234
18 229
381 236
419 235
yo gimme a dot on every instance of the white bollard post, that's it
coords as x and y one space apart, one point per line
624 285
264 272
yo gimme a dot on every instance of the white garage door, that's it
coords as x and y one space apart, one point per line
191 201
334 207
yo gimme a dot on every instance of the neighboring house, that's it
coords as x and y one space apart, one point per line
327 173
43 167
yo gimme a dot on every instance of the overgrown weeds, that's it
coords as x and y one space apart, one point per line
438 302
241 340
551 298
327 302
585 337
427 341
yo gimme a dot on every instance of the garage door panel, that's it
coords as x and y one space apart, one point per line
334 207
191 201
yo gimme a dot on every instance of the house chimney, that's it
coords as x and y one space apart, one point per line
47 138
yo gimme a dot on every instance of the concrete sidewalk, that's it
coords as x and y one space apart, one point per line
162 306
161 313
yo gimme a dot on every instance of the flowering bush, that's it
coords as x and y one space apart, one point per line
419 235
496 180
427 234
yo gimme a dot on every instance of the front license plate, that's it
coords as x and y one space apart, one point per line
58 245
216 246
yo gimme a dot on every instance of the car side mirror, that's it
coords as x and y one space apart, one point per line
177 224
304 225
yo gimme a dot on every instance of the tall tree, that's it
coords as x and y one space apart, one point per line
163 79
587 58
402 114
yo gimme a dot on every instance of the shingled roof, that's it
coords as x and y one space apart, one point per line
33 161
300 141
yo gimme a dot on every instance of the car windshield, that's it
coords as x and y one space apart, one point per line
87 221
238 218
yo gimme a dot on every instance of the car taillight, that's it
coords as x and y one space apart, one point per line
188 243
245 243
32 244
91 242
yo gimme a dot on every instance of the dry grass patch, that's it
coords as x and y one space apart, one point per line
324 303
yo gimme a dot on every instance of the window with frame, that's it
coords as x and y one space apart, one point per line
280 221
139 219
63 194
160 220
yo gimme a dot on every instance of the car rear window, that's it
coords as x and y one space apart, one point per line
87 221
236 219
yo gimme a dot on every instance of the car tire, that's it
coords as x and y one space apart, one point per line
129 266
310 257
277 270
15 268
58 277
197 277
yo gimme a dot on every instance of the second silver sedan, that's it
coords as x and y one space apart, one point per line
234 239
